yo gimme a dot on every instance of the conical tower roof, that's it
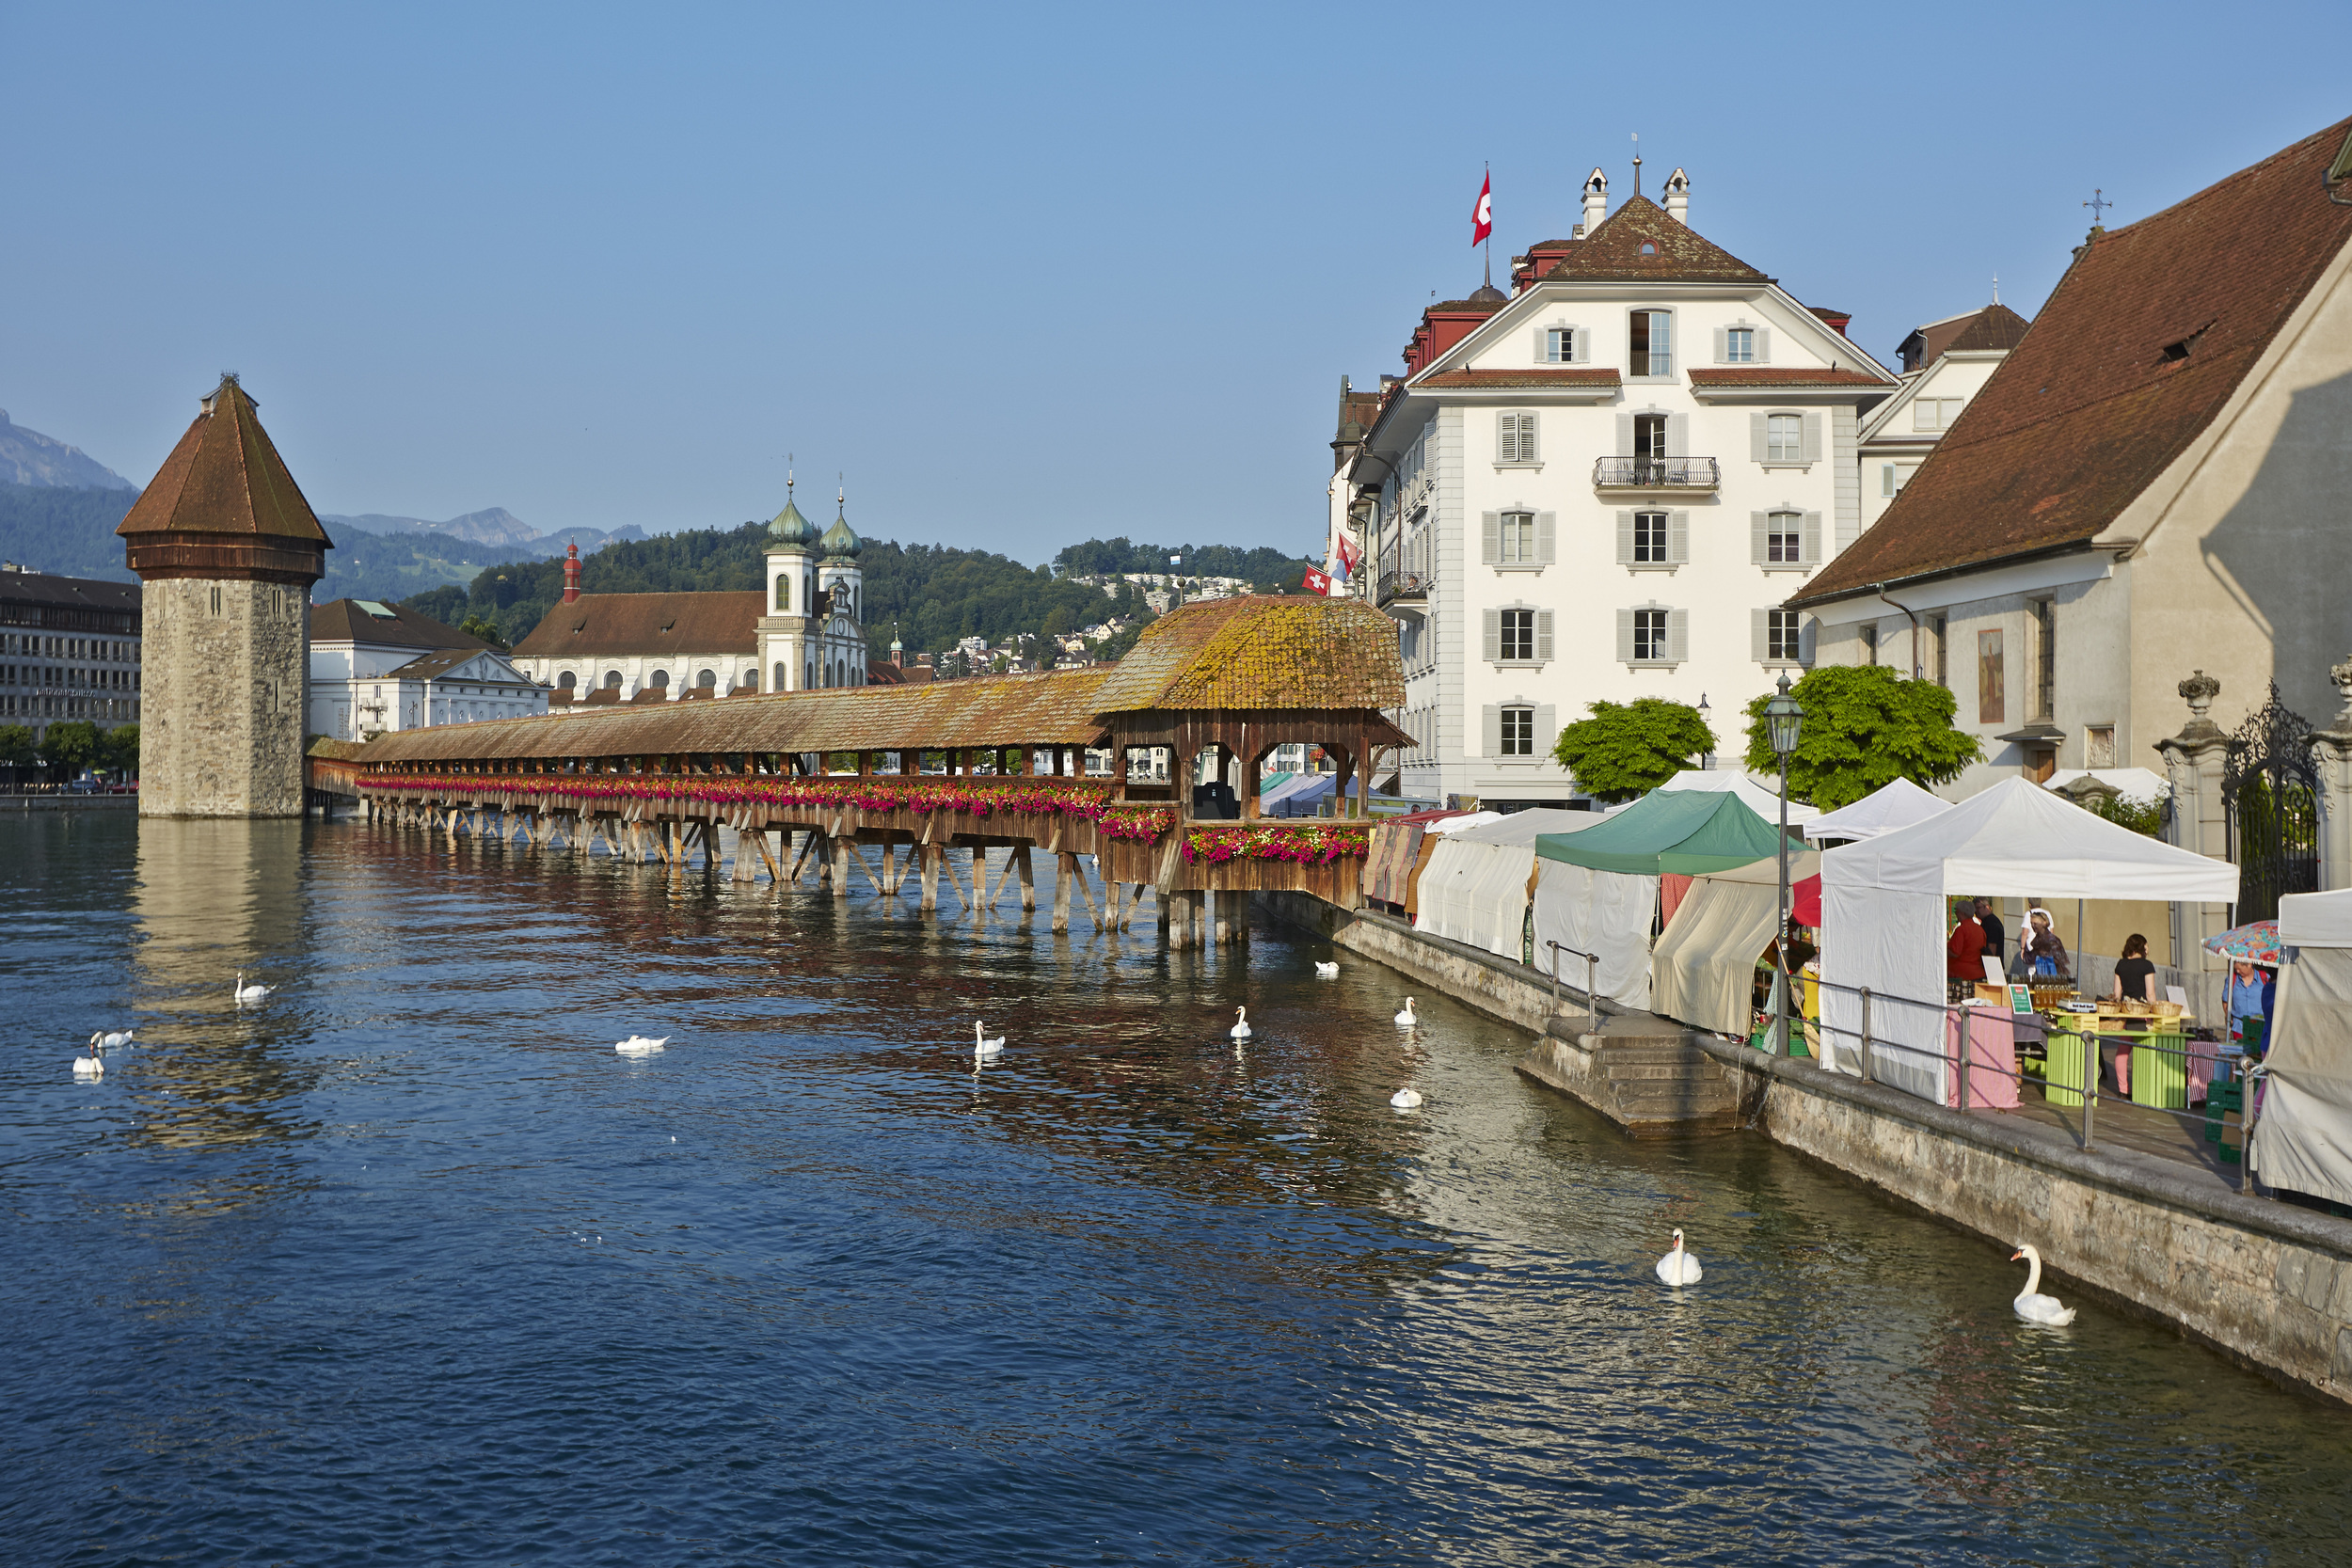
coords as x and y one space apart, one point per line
224 504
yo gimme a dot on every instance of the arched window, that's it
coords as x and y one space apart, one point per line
612 679
750 681
661 681
565 680
783 593
779 685
708 677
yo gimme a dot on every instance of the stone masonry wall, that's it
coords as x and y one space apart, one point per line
223 698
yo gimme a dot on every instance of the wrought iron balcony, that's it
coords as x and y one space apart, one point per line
1660 474
1405 587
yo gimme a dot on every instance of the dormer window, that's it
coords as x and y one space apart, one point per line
1648 248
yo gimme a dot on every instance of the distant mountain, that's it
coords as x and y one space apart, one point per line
70 533
28 457
497 527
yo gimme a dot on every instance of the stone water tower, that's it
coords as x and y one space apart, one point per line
226 549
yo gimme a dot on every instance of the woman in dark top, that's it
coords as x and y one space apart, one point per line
2132 972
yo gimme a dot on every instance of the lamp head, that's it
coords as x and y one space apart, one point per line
1784 720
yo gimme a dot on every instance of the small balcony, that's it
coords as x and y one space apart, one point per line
1406 589
1656 473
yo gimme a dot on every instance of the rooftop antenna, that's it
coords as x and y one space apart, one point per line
1996 288
2098 204
1637 163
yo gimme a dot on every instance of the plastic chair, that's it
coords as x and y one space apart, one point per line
2221 1099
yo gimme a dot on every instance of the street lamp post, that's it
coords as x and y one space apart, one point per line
1784 726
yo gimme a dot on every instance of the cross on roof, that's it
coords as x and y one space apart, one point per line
2098 204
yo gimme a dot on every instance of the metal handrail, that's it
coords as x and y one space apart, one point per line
1644 472
1592 964
1397 585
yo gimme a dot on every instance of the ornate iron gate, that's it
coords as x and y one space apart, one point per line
2272 786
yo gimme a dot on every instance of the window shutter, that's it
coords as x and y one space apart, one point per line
1546 536
1678 537
1542 345
1527 438
1491 727
1812 437
1494 636
1763 345
1755 437
1806 626
1583 341
1543 635
1625 637
1678 635
1625 538
1812 539
1546 728
1677 436
1506 440
1760 634
1761 537
1723 347
1625 435
1492 544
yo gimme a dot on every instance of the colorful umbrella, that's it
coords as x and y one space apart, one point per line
2256 943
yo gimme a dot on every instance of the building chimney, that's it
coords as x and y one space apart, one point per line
571 572
1678 198
1595 200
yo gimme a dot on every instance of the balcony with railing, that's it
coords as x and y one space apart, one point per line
1409 588
1656 473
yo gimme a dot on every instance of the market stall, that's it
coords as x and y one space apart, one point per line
1596 891
1758 794
1883 810
1479 879
2302 1133
1702 972
1882 911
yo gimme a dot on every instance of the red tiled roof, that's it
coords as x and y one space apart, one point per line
2089 408
1765 375
1613 252
1474 379
344 621
619 626
224 477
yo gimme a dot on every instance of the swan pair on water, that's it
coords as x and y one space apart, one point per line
1679 1268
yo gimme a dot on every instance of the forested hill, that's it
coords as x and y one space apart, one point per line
935 595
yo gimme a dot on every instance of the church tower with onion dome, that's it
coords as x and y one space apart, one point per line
226 549
812 634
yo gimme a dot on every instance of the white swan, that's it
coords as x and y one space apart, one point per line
1326 971
93 1065
250 994
2031 1303
1404 1099
1241 1024
638 1045
981 1044
1679 1267
119 1037
1405 1019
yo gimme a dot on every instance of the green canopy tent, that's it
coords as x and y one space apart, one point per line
1596 891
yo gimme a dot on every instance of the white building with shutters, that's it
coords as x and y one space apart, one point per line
1601 487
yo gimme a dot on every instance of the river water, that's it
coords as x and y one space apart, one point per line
405 1265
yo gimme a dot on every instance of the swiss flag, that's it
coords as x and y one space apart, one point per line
1349 554
1318 583
1483 215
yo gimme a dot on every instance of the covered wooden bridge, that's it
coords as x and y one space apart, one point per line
815 783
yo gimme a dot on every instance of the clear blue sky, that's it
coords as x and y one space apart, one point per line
1028 276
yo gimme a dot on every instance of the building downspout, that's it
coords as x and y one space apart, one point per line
1880 589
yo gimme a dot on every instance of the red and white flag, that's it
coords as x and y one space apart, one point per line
1349 555
1318 583
1483 215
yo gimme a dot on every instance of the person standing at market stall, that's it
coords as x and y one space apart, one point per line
1996 934
2041 947
1963 957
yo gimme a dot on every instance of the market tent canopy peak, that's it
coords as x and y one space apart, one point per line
1883 810
1668 832
1758 796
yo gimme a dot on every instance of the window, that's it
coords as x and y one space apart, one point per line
1894 476
565 681
661 681
1866 646
1783 539
783 593
216 601
1739 345
1653 344
1519 537
1649 634
1517 635
1560 346
2099 746
708 678
1515 438
1934 413
612 680
750 681
1780 636
2045 657
1783 438
1991 699
1939 656
1518 731
1650 435
1650 538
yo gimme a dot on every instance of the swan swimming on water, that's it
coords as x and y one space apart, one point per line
638 1045
93 1065
119 1037
1241 1024
1405 1019
2031 1303
1404 1099
1326 971
1679 1267
981 1044
250 994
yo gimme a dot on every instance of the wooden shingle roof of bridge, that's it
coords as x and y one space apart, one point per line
1262 650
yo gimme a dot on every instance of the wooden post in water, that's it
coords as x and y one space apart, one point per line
932 854
841 851
1029 885
1065 873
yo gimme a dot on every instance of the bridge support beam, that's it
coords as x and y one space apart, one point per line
932 854
1028 882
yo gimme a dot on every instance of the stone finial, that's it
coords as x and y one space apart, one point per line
2341 676
2200 691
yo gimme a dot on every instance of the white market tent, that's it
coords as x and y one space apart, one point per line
1704 970
2302 1140
1883 909
1475 887
1757 795
1883 810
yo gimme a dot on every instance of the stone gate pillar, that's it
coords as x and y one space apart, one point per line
2331 750
2201 814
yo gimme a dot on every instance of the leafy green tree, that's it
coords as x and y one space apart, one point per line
16 746
1629 749
474 625
76 744
122 749
1864 727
